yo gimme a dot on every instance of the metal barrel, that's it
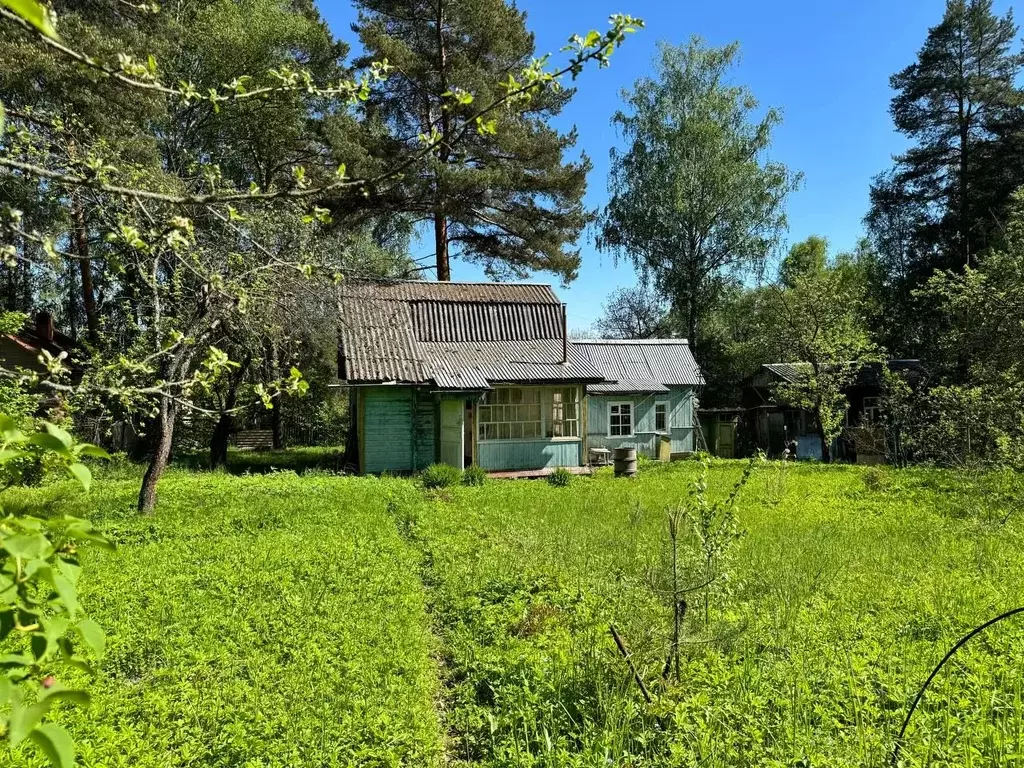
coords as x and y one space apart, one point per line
625 462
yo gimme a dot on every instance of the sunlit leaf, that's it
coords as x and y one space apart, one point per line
60 434
56 744
92 635
35 13
88 449
82 474
50 443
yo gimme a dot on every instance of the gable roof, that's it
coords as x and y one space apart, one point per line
641 365
454 335
24 347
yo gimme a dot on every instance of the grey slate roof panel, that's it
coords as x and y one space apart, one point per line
425 290
477 321
455 335
539 360
646 363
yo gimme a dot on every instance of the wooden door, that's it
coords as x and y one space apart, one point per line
726 443
452 435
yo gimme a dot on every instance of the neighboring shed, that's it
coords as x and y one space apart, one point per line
22 352
461 373
773 422
647 397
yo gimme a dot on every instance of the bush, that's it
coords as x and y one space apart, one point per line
876 479
440 476
474 475
560 478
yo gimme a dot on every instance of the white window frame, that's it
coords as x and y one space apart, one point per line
508 408
872 414
550 406
668 416
541 397
632 417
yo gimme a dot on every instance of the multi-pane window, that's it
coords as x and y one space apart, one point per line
510 413
872 410
620 420
661 417
564 416
529 413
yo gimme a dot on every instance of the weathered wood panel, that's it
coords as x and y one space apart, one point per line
529 454
645 439
387 429
424 429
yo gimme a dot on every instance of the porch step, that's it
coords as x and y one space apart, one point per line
531 474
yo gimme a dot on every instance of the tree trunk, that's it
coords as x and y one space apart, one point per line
962 202
691 320
826 446
444 269
225 425
85 267
276 400
219 440
72 310
164 425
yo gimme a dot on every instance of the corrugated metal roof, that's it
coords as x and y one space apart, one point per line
626 388
477 321
536 360
425 290
789 372
648 365
418 333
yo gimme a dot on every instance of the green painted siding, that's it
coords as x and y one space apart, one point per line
388 429
644 439
400 435
528 454
424 429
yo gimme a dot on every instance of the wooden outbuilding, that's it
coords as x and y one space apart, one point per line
647 398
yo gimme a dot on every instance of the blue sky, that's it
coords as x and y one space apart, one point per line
824 63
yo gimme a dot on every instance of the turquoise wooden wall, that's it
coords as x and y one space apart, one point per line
680 415
399 434
529 454
398 429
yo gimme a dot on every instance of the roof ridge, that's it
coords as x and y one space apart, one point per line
441 282
627 342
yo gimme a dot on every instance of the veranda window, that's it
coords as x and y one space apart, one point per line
564 415
661 417
510 413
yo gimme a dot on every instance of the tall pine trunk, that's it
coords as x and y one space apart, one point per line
85 268
444 268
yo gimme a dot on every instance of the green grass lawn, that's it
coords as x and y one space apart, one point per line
319 620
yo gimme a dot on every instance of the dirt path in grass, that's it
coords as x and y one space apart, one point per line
405 524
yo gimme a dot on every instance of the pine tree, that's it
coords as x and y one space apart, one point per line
499 193
958 102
